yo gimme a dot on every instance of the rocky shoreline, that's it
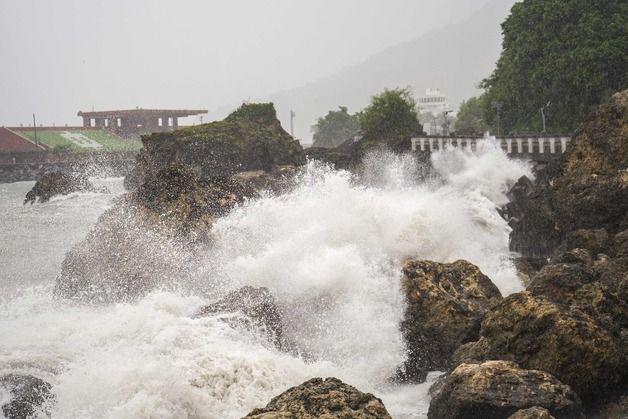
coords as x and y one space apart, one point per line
557 349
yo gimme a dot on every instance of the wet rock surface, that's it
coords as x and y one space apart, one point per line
562 340
446 303
257 304
149 237
327 398
27 395
497 389
532 413
60 183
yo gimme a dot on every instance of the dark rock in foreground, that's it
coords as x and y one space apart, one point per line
497 389
60 183
317 398
28 394
257 304
532 413
562 340
446 303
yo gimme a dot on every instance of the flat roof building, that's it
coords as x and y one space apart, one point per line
136 121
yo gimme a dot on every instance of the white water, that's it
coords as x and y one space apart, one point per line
329 251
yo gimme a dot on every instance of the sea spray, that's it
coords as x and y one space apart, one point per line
329 250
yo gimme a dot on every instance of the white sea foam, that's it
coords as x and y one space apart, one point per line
330 252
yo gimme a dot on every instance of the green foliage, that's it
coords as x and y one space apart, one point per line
571 53
391 118
258 113
470 117
335 128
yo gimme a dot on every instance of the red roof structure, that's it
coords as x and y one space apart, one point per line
10 142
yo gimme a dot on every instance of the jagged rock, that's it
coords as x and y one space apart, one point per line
532 413
60 183
27 394
257 304
317 398
586 189
251 138
558 281
582 256
615 409
279 180
559 339
148 238
446 302
497 389
527 267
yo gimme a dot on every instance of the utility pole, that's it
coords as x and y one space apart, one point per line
543 114
35 128
498 107
292 115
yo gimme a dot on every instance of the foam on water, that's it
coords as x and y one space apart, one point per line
329 250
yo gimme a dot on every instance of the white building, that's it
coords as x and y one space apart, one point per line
434 109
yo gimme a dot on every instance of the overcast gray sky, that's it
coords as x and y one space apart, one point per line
57 57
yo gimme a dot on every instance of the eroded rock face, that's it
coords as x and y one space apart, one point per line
559 339
532 413
27 394
257 304
249 139
446 303
587 189
327 398
497 389
60 183
148 238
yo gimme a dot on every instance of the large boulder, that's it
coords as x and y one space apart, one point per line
563 340
497 389
586 189
149 238
327 398
26 394
251 138
60 183
446 303
532 413
256 304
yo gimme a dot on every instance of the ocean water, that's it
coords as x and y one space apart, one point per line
329 250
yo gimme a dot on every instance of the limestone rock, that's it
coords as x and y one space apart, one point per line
532 413
148 238
497 389
327 398
250 138
446 302
257 304
60 183
559 339
527 267
27 394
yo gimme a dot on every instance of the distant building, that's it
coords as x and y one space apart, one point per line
136 121
434 109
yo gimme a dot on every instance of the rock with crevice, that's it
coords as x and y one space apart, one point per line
557 338
60 183
327 398
446 303
497 389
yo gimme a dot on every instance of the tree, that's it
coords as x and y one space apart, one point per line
470 117
335 128
391 118
568 53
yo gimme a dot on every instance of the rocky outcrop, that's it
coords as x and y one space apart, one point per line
560 339
27 395
149 238
251 138
446 303
532 413
587 189
60 183
257 304
327 398
497 389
